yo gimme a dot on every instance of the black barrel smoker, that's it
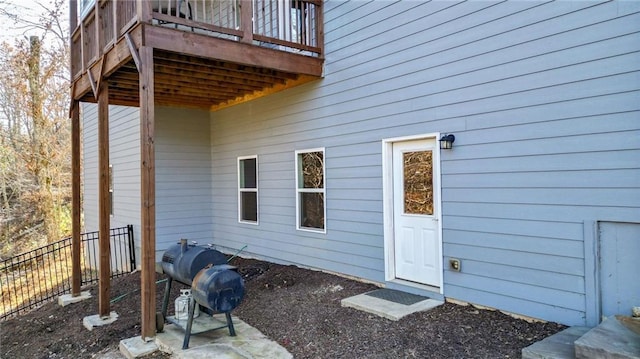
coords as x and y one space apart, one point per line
215 286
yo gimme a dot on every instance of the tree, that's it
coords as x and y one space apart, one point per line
34 130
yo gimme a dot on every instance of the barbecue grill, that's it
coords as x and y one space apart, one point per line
216 287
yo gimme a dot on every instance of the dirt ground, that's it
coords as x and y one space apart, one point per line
298 308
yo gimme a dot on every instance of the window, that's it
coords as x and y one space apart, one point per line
310 190
248 189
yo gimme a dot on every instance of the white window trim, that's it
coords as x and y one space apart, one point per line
240 190
312 190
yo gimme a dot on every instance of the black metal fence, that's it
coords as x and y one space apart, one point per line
31 278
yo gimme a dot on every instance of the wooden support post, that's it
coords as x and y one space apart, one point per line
76 272
246 20
74 114
104 204
148 194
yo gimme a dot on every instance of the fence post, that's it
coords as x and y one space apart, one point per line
132 249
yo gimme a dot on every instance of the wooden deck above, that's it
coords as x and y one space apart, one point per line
209 56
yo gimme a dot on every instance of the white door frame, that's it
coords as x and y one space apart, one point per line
387 205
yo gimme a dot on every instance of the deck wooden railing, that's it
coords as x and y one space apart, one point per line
287 25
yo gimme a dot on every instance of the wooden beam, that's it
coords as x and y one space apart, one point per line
148 194
104 204
76 272
100 74
93 84
218 65
267 91
133 50
228 50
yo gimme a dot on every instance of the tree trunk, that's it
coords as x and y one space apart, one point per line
40 146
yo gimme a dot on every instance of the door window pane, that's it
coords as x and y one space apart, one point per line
418 182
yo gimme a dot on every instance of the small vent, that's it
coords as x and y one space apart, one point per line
167 258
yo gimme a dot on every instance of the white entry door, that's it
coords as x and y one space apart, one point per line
415 217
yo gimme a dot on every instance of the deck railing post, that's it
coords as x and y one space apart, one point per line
143 8
246 20
320 28
132 248
114 18
99 34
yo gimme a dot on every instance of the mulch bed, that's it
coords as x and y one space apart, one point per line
298 308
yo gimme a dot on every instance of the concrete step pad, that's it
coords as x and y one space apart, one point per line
609 340
557 346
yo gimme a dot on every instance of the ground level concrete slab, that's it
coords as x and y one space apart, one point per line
136 347
67 299
387 309
249 343
557 346
93 321
613 338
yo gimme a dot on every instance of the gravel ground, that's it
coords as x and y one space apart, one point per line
298 308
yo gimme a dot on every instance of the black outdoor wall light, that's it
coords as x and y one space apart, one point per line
446 141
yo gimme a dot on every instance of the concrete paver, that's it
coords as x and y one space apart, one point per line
387 309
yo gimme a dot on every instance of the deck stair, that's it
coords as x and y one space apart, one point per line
614 338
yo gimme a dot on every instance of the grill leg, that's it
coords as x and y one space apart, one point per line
187 333
165 299
232 330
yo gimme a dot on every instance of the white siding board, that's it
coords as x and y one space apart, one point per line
580 108
600 160
512 242
552 280
516 304
545 229
562 298
537 261
557 128
620 178
337 250
540 212
611 197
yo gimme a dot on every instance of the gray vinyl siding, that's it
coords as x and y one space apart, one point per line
124 156
183 177
183 173
544 100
